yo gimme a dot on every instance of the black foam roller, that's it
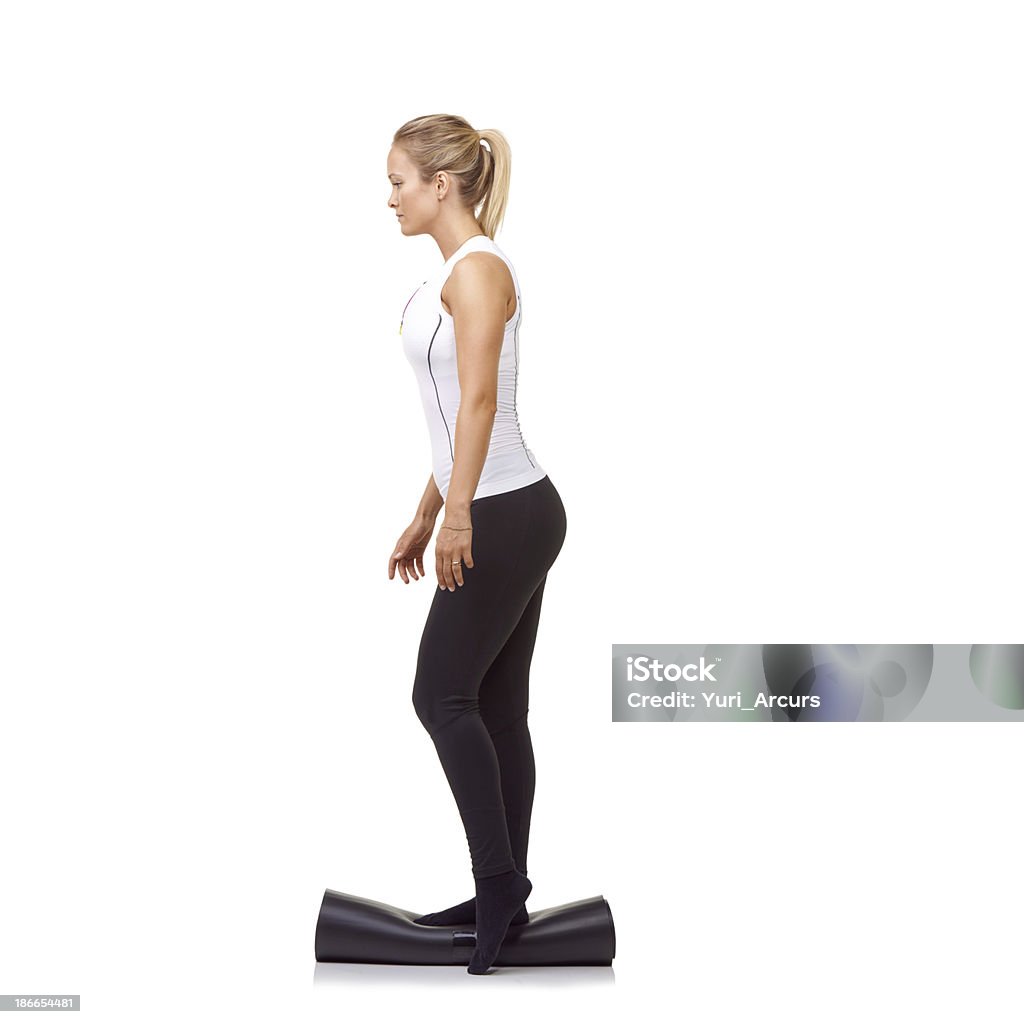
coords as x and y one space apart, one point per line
356 930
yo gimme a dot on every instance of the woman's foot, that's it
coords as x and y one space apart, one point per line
497 900
465 913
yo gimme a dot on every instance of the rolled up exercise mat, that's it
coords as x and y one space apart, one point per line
356 930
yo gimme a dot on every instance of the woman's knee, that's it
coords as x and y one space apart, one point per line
424 704
502 720
437 707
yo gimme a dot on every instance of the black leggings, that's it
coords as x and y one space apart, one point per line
473 670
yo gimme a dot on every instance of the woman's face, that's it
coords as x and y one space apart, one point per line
412 200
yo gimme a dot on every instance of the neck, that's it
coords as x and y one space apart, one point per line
450 238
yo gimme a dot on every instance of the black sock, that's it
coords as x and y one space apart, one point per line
497 899
465 913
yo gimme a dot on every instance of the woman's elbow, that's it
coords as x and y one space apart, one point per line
481 402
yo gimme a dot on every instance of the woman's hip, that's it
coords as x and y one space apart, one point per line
527 520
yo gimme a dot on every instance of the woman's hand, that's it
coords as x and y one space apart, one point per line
454 544
409 550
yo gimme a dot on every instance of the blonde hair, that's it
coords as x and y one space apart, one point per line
447 142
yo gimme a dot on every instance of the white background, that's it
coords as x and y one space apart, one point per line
771 267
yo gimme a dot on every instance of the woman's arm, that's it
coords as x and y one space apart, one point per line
430 503
477 294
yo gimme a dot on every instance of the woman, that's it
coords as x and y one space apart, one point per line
504 522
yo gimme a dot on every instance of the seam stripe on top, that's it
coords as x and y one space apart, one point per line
411 297
515 388
431 372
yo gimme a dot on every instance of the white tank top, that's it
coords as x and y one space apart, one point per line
428 338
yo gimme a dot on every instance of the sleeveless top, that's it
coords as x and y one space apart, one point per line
428 339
